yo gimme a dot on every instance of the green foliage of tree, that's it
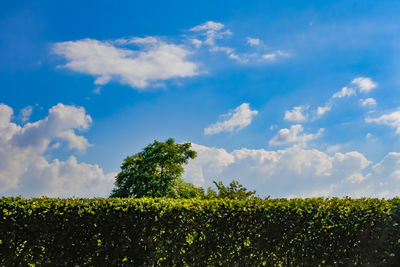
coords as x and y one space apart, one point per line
156 172
182 189
234 191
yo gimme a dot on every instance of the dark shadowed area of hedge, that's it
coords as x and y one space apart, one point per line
167 232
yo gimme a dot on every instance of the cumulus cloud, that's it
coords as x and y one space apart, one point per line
152 61
297 172
293 135
364 84
296 114
368 102
294 172
391 119
60 123
237 119
24 167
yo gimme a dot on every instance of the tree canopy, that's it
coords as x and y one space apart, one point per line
156 172
234 191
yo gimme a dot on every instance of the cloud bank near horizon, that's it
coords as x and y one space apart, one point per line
297 171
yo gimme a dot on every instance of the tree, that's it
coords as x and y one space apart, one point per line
233 191
156 172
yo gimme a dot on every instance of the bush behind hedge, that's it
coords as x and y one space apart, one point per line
168 232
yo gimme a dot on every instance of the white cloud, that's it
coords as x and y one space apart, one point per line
237 119
332 149
24 167
59 124
296 114
283 53
386 176
136 40
275 55
153 61
196 42
289 136
391 119
368 102
212 30
25 113
273 127
97 90
364 84
208 26
346 91
270 56
253 41
297 172
238 58
209 162
103 80
322 110
294 171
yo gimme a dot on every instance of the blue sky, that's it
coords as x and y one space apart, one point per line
292 99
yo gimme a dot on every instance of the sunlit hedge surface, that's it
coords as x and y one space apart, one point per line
166 232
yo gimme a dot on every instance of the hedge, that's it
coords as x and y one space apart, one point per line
167 232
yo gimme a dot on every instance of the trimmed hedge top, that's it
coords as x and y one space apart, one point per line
168 232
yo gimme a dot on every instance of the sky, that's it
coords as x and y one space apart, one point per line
290 98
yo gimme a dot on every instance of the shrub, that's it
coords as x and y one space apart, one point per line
194 232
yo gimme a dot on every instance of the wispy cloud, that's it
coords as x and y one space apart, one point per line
213 31
360 84
237 119
274 55
346 91
322 110
368 102
253 41
25 113
390 119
